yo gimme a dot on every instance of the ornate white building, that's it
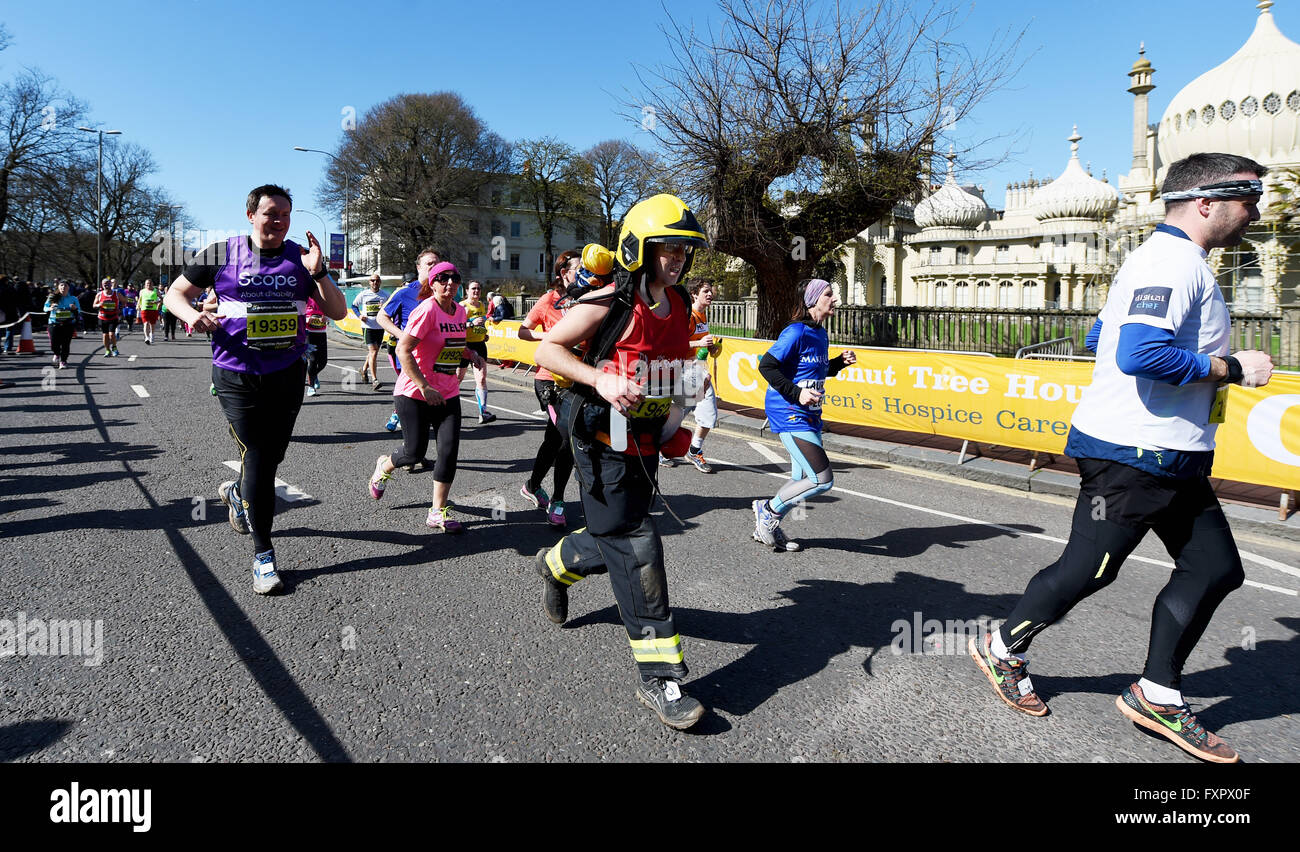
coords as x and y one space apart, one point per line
1057 244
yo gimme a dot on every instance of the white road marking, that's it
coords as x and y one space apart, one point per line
283 490
767 452
1013 531
536 415
132 358
1270 563
140 391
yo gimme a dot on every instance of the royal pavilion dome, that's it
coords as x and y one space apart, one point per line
1075 194
951 206
1249 105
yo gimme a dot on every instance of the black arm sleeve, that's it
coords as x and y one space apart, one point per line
834 366
202 271
770 369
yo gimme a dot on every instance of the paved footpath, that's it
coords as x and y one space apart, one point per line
394 643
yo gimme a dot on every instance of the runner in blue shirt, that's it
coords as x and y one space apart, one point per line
65 315
396 312
795 369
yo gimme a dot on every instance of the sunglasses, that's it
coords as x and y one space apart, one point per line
446 277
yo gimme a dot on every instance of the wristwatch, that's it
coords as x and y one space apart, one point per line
322 275
1235 372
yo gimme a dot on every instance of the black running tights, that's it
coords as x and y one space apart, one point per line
261 411
418 417
1117 505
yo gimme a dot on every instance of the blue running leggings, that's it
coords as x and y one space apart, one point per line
810 471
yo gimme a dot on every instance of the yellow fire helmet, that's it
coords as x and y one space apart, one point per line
597 259
659 219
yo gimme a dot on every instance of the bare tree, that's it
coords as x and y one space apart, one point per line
410 162
799 125
135 213
38 129
554 181
621 175
31 220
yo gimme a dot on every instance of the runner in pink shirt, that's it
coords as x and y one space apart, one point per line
427 392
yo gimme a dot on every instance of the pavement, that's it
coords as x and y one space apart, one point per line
395 643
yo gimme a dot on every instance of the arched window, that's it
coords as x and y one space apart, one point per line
984 295
1007 294
962 294
942 298
1029 295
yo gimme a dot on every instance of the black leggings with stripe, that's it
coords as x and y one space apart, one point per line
261 411
1117 505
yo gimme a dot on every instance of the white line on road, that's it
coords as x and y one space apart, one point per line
132 358
766 452
283 490
140 391
1013 531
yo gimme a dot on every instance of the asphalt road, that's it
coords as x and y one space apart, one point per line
394 643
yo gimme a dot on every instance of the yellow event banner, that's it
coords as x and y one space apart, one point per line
1016 403
504 344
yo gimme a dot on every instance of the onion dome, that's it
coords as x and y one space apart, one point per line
1075 194
1249 105
951 206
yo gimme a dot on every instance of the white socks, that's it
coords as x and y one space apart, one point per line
1158 694
999 648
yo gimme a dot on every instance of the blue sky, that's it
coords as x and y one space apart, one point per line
221 92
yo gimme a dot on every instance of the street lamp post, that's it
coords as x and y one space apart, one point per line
322 223
99 202
171 232
347 192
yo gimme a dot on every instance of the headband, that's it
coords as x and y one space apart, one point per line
1217 191
813 290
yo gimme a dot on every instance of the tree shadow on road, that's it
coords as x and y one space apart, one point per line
51 429
20 739
426 547
822 620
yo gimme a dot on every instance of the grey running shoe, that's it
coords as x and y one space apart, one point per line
781 543
229 493
674 708
765 521
701 465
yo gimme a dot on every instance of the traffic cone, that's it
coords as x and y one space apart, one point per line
27 346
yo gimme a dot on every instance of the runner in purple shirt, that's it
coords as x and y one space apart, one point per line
262 283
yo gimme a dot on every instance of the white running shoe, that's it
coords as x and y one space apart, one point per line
265 580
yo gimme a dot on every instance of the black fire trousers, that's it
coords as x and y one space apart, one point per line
620 539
